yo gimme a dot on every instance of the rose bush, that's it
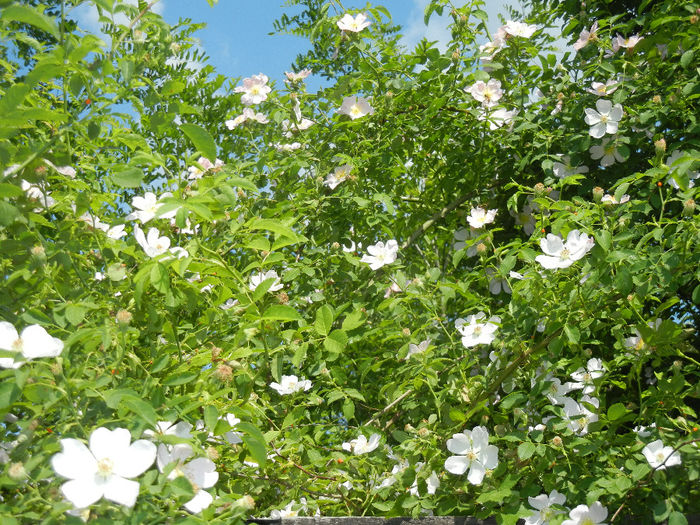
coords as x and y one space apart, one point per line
234 295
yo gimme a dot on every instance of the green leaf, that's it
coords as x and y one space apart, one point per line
255 441
159 278
116 271
211 416
141 408
75 313
616 411
28 15
336 341
180 378
603 239
9 393
324 320
281 312
572 333
526 450
348 409
128 178
623 280
687 58
676 518
353 320
201 139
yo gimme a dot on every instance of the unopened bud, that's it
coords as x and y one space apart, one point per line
40 170
215 352
406 332
689 207
556 441
124 317
325 371
223 373
254 396
423 432
389 94
38 251
660 146
597 194
409 428
283 298
539 189
456 54
212 453
33 425
500 430
587 352
481 248
335 246
693 19
246 502
16 471
656 99
56 368
175 47
677 365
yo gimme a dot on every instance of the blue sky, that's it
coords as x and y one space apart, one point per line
237 37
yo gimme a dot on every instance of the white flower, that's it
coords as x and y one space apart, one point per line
116 232
659 456
289 511
179 253
232 436
200 472
147 207
105 469
519 29
66 171
479 217
628 43
417 349
99 276
578 416
381 254
230 303
585 515
353 24
474 332
361 445
254 89
636 342
670 161
525 217
287 147
180 429
610 199
602 90
487 93
563 255
339 175
355 107
196 172
35 342
565 169
248 114
498 118
584 377
291 385
556 392
302 124
542 505
607 153
37 194
642 431
153 244
473 453
258 278
296 77
605 120
586 36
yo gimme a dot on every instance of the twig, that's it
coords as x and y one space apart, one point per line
437 216
390 406
312 474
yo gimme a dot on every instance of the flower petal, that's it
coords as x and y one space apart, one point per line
200 502
476 473
8 335
75 461
138 457
106 443
120 490
36 342
82 492
457 464
202 472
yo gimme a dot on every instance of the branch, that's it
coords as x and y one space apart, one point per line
439 215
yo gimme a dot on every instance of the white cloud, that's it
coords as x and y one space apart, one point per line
438 28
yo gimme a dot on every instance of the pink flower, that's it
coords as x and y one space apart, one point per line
586 36
254 89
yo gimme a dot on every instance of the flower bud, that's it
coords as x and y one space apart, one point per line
693 19
556 441
656 99
660 146
500 430
325 371
283 298
215 352
124 317
406 332
455 55
16 471
246 502
33 425
56 368
212 453
223 373
597 194
174 47
335 246
38 252
481 248
689 207
539 189
677 365
423 432
40 170
409 428
587 352
254 396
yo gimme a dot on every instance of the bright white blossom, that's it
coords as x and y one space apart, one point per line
610 199
153 244
116 232
473 453
556 391
292 510
181 429
200 472
498 118
578 415
33 343
627 43
381 254
290 385
607 152
417 349
339 175
480 217
66 171
258 278
355 107
104 469
353 24
565 168
248 114
605 120
521 29
584 377
560 254
361 445
35 193
487 93
297 77
147 206
232 436
585 515
475 332
287 147
603 89
636 342
644 432
586 36
659 456
542 505
254 89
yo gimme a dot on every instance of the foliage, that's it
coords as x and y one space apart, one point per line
252 317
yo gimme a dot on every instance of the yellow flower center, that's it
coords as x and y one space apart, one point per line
105 467
587 521
604 118
356 111
565 254
17 345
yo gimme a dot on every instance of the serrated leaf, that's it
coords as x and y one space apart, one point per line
201 139
211 416
141 408
526 450
254 441
29 15
128 178
281 312
180 378
336 341
324 320
616 411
